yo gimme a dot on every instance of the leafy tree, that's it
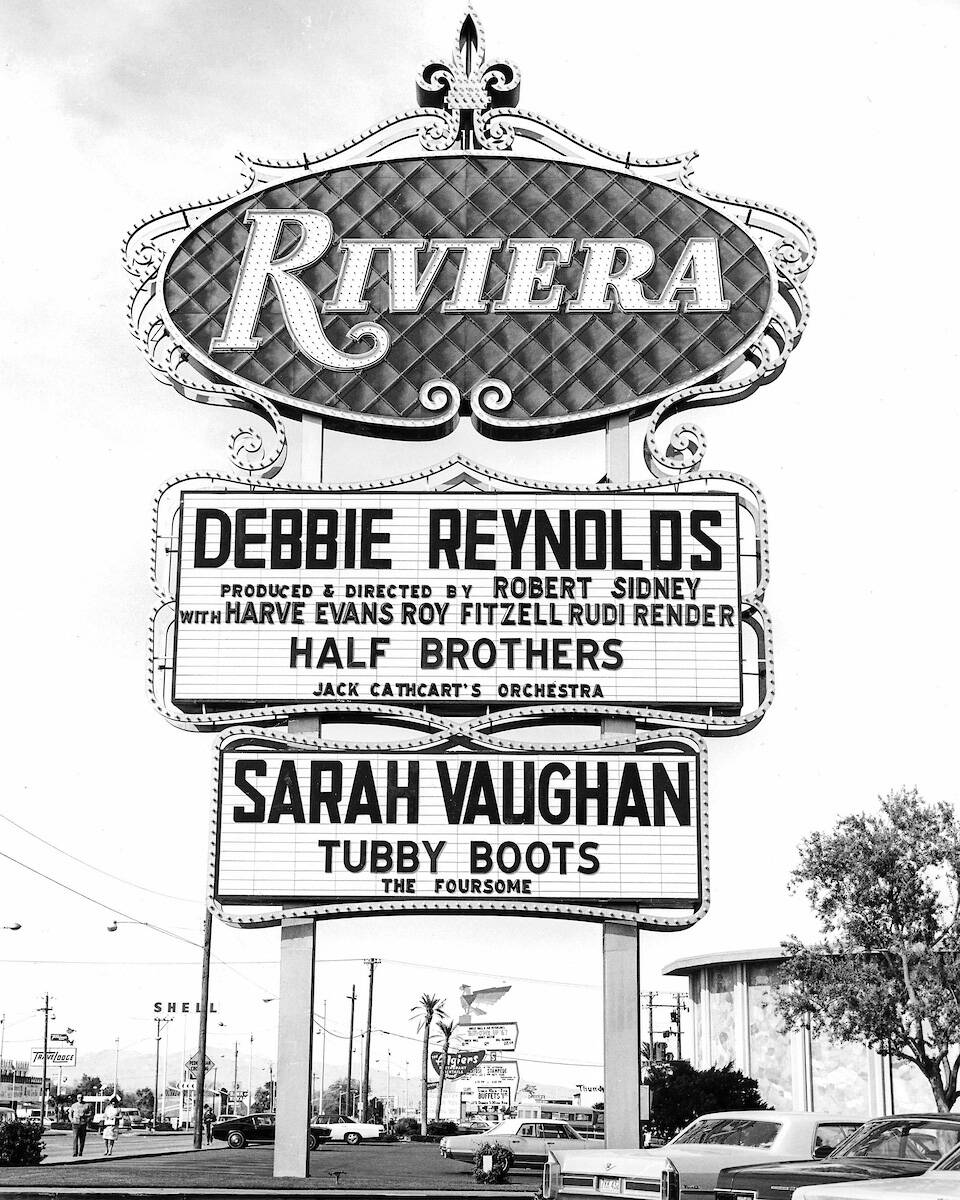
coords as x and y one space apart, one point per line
426 1010
332 1096
446 1031
885 888
262 1099
679 1093
87 1085
144 1101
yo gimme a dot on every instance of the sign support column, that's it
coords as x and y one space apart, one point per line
298 941
298 936
621 942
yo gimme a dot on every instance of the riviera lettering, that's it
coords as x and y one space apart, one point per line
612 276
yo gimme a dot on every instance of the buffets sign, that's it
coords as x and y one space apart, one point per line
489 1035
290 599
459 826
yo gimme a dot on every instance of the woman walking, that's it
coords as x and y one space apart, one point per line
111 1125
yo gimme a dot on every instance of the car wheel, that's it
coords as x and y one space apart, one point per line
351 1138
313 1142
236 1141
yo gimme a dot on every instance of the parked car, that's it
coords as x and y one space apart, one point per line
477 1126
238 1132
527 1140
698 1153
352 1131
884 1148
940 1182
131 1118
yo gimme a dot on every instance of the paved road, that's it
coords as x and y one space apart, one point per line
366 1168
59 1145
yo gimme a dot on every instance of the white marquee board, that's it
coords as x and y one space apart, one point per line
357 829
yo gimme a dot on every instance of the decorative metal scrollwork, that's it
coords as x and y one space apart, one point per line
473 99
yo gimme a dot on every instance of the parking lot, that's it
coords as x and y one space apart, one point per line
367 1168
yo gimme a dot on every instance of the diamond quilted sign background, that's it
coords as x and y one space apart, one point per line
563 363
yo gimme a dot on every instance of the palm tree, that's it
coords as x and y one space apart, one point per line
426 1008
446 1028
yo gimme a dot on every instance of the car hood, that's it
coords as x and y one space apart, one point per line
823 1170
698 1165
937 1184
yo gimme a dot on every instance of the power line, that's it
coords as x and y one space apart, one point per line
111 908
91 866
399 962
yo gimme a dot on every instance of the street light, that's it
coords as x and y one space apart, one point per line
14 927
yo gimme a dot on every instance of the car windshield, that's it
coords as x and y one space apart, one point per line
919 1139
729 1131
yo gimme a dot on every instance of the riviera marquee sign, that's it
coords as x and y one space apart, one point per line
467 256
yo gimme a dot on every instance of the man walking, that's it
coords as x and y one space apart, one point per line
78 1123
208 1123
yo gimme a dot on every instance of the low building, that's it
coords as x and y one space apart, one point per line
734 1020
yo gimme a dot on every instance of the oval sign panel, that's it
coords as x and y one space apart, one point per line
561 291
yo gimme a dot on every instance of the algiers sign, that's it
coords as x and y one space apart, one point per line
467 256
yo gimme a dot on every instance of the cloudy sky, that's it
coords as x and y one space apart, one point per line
841 113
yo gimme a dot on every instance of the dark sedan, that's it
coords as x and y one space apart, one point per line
884 1148
238 1132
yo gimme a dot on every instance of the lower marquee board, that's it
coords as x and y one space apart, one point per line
366 829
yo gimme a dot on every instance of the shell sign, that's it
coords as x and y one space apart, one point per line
467 257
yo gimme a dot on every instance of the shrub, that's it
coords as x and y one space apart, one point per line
406 1126
500 1166
442 1128
21 1144
679 1093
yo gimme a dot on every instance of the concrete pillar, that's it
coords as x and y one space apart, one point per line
621 1035
621 941
741 1019
298 940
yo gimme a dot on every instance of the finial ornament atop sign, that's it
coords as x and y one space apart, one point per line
469 256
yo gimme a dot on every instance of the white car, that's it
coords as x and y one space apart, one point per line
529 1141
695 1156
352 1131
941 1182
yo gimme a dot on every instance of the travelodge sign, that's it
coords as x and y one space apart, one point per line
467 257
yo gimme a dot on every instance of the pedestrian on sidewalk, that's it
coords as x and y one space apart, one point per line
208 1123
78 1123
111 1125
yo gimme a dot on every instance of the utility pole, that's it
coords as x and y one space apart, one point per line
202 1034
116 1065
236 1060
323 1057
353 1003
250 1079
650 996
160 1023
365 1091
46 1031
